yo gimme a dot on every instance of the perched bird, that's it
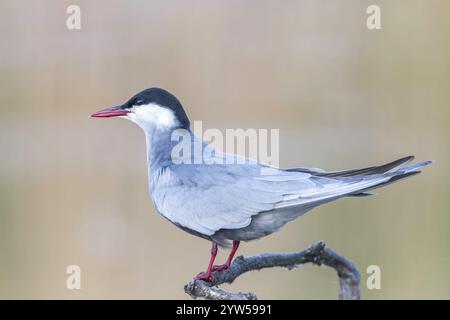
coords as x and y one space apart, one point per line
231 201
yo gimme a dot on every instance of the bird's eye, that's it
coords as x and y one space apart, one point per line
138 102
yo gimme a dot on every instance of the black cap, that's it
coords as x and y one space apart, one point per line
162 98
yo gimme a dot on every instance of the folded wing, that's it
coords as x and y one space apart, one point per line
209 198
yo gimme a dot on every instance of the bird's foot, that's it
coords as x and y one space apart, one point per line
204 276
220 267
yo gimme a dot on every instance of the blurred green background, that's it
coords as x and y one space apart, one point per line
74 189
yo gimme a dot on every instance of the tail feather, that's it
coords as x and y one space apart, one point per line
397 175
375 177
355 172
414 166
395 178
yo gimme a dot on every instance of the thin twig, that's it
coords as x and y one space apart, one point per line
317 254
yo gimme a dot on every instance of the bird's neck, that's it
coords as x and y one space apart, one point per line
159 148
176 146
161 153
171 147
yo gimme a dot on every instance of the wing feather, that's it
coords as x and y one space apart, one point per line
208 198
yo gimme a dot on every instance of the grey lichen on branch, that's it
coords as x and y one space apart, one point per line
317 254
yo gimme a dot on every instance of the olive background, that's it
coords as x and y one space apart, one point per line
73 189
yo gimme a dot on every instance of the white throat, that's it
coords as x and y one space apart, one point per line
152 116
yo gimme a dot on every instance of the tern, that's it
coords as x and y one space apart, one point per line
227 202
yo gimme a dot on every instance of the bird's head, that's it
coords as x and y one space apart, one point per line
150 109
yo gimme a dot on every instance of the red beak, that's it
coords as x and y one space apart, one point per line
110 112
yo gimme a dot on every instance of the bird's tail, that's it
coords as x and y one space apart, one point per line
386 174
396 174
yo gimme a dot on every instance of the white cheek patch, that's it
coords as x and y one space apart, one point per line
153 115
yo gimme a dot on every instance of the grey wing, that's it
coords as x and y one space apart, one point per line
208 198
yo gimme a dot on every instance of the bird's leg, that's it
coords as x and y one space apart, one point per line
207 276
227 264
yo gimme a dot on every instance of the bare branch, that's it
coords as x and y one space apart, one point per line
317 254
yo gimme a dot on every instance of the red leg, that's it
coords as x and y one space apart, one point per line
227 264
207 276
